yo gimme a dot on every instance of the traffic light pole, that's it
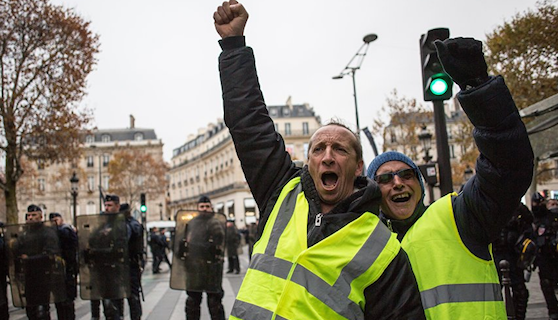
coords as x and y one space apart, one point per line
442 148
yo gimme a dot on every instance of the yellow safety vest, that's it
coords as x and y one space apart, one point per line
453 282
288 280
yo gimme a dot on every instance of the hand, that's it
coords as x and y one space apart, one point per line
230 19
463 60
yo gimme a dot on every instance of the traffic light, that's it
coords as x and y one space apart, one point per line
143 206
437 85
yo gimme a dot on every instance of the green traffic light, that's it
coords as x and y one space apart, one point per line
143 208
439 86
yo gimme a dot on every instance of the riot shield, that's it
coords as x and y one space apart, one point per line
35 265
104 267
198 251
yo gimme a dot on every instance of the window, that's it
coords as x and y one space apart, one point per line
89 138
286 112
91 183
138 136
41 182
287 129
90 161
105 138
230 208
393 138
106 182
90 208
40 164
305 130
106 159
452 151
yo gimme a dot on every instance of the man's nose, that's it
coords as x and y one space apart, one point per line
328 156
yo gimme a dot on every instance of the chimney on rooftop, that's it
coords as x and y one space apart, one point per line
132 122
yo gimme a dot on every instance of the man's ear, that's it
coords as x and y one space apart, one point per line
358 171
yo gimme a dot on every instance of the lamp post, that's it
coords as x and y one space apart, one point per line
74 181
351 69
160 211
428 169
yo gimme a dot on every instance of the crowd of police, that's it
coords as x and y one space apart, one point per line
44 258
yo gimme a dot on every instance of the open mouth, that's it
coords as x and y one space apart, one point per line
403 197
329 180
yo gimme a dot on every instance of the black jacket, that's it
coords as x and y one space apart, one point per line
268 167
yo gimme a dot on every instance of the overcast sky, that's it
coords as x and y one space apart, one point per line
158 58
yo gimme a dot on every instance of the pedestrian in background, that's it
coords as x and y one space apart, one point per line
233 243
516 246
164 243
135 261
69 245
546 230
449 242
3 277
154 244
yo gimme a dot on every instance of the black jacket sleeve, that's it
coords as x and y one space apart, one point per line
395 295
261 150
504 167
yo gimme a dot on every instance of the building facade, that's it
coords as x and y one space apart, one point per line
49 186
207 164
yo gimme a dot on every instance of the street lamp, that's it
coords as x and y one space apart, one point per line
428 169
74 181
351 69
160 211
425 137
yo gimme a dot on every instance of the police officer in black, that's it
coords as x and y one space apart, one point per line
69 245
516 246
135 254
3 274
546 228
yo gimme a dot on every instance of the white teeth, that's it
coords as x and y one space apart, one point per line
399 196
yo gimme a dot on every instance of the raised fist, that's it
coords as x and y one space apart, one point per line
463 60
230 19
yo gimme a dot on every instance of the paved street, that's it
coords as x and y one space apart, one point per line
162 303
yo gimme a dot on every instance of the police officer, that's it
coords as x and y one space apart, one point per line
69 245
3 274
546 227
135 254
113 308
516 246
202 265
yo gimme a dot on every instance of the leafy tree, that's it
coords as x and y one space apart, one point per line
133 172
525 51
46 53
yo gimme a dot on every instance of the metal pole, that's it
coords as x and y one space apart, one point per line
74 195
100 187
356 103
442 146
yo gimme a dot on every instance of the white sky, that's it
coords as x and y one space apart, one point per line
158 58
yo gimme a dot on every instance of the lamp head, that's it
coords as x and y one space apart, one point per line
370 37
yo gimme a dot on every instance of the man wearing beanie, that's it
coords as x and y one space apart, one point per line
321 252
449 243
205 236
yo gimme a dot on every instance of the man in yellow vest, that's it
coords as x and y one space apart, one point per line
322 252
449 242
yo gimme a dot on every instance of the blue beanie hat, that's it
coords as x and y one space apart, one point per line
393 156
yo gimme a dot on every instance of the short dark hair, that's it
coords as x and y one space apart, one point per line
112 197
34 208
124 207
52 215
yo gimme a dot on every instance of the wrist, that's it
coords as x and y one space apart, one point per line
233 42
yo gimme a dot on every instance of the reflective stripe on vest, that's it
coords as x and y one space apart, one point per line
338 299
454 283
